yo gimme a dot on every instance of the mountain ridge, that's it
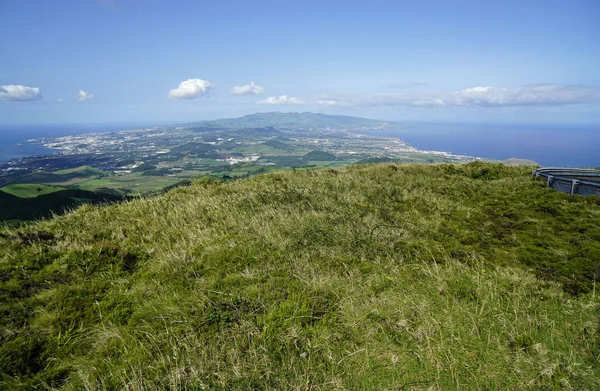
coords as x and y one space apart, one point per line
292 120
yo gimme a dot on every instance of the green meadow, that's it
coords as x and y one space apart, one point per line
370 277
29 190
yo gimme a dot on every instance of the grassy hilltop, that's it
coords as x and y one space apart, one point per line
369 277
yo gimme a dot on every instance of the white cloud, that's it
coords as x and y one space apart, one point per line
480 96
281 100
83 96
535 95
248 89
60 100
190 89
19 93
329 102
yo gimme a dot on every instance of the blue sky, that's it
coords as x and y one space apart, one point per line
158 60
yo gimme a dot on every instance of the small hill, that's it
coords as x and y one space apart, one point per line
28 190
144 167
371 277
276 144
61 177
83 171
319 156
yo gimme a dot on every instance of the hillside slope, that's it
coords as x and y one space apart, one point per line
47 205
371 277
297 121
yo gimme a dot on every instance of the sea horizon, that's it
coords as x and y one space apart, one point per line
558 145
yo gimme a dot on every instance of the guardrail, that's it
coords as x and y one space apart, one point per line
571 180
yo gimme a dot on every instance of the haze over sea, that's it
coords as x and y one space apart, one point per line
549 145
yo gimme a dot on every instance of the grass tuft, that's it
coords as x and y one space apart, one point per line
370 277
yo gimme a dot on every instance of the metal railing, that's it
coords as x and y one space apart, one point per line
571 180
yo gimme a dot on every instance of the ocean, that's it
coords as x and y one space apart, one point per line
549 145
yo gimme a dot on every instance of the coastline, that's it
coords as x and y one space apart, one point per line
548 145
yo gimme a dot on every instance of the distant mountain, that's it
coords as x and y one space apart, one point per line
291 121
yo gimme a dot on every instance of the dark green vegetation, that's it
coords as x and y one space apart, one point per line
319 156
46 205
59 177
370 277
43 194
